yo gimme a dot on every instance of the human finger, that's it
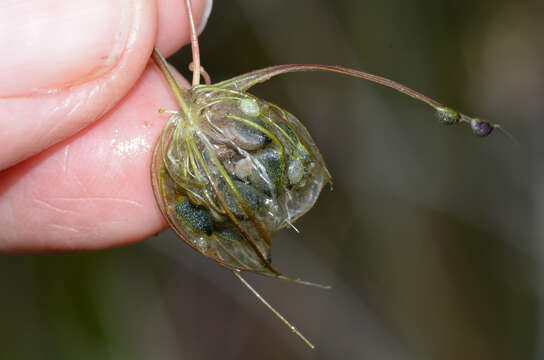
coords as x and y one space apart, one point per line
70 62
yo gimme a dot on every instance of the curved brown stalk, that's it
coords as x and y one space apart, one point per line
445 114
246 81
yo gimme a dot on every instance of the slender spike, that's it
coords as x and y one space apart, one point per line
296 281
292 226
506 133
194 44
302 282
171 112
280 316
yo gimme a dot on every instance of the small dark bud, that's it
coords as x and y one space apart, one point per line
448 116
481 127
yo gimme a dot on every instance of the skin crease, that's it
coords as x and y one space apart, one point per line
92 190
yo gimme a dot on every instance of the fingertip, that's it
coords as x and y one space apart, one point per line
38 119
72 41
92 190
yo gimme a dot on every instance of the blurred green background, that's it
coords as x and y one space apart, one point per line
431 238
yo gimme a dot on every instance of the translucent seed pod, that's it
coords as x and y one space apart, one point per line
233 172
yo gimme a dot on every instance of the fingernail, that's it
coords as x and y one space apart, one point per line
205 15
52 44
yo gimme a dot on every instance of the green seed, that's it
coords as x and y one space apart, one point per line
229 233
196 218
250 196
264 170
272 162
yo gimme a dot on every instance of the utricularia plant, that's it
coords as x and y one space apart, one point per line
229 169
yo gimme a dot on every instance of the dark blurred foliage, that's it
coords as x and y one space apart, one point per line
431 238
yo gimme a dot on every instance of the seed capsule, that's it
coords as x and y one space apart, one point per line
243 169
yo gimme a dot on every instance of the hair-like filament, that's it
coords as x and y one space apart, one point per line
280 316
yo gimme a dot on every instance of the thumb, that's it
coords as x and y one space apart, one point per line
53 44
65 64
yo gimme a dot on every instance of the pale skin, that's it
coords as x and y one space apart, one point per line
77 149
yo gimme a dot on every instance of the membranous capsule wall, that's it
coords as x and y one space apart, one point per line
237 171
